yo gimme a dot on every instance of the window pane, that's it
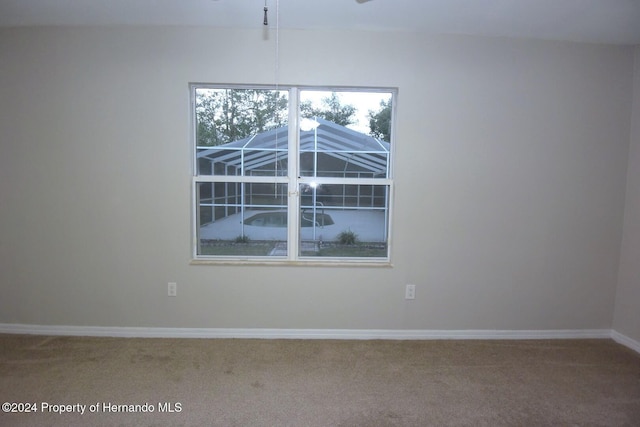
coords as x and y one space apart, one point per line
345 134
344 220
241 132
238 219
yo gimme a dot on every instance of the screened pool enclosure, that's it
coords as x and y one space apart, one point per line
343 196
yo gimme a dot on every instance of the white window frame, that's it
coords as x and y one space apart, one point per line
293 182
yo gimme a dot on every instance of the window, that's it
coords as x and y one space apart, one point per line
292 173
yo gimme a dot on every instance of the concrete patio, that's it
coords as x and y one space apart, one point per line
368 225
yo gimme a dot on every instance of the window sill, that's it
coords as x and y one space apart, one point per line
288 263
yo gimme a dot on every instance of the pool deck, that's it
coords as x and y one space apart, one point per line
368 225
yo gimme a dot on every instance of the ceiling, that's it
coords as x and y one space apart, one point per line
595 21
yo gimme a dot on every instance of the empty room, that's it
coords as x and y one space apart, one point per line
330 213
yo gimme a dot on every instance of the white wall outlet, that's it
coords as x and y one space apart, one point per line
172 289
410 292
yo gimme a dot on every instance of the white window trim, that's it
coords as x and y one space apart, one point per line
293 182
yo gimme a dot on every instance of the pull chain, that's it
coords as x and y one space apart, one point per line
266 9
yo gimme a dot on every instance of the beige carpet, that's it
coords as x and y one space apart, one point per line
318 382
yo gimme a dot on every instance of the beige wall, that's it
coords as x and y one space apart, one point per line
511 166
627 309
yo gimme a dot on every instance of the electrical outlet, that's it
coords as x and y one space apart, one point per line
410 292
172 289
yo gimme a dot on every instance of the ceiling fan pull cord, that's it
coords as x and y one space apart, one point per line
266 9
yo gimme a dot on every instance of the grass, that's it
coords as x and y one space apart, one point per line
356 250
352 251
227 248
264 248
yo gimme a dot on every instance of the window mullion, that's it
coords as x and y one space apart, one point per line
354 181
241 179
293 219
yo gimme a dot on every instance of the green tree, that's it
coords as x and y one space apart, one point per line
380 121
226 115
332 110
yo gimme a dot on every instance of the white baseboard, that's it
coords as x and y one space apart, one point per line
625 341
340 334
328 334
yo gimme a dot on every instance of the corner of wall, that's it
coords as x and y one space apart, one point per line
626 314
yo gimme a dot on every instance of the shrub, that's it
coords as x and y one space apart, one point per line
243 238
347 238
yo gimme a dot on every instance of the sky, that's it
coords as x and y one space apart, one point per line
362 101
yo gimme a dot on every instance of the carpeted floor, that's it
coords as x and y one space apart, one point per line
220 382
